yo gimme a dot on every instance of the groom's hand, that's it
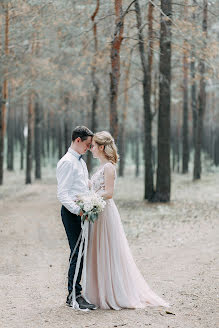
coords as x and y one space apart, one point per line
81 213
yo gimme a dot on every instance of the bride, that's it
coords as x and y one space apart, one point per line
114 281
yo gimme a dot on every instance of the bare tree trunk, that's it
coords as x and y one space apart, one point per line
115 68
21 137
60 133
155 110
137 154
213 126
193 86
1 117
95 83
193 99
173 146
150 39
93 73
163 170
216 148
202 99
37 139
138 143
67 132
11 130
10 137
2 120
185 137
4 96
29 154
48 133
149 184
121 149
60 138
123 122
43 120
53 133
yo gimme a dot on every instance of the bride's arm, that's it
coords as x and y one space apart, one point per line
109 175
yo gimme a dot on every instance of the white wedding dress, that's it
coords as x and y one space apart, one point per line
113 279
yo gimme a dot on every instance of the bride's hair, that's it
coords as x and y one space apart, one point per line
105 139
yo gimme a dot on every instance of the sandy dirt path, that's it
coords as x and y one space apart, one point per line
175 246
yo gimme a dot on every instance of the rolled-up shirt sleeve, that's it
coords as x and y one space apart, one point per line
65 181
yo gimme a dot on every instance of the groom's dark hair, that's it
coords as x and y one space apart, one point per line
81 132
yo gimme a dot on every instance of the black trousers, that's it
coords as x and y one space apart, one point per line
72 224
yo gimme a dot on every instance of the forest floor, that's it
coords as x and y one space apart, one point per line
175 246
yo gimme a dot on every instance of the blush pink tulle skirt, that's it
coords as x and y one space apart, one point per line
113 279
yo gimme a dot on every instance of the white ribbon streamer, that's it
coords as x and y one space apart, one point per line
83 244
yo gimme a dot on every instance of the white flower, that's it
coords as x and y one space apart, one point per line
92 204
88 207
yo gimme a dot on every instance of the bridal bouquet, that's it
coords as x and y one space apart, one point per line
91 204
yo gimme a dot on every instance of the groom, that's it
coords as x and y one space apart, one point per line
72 178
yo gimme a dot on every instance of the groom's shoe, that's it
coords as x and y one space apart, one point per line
69 299
83 304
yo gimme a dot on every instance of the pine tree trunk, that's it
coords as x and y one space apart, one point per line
202 101
122 131
185 137
48 134
193 86
16 127
132 146
149 184
4 96
93 73
43 153
21 137
173 147
60 136
29 153
95 84
67 132
1 118
37 139
115 69
216 148
53 133
185 156
121 145
10 138
193 99
163 170
1 137
137 155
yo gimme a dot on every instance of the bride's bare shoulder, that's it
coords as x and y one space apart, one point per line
109 169
109 165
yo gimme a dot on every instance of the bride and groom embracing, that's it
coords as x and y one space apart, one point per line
113 279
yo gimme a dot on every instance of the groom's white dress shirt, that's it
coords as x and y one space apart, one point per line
72 177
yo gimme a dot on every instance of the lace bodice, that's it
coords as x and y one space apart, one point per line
97 179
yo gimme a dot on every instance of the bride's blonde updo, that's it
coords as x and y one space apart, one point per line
105 139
